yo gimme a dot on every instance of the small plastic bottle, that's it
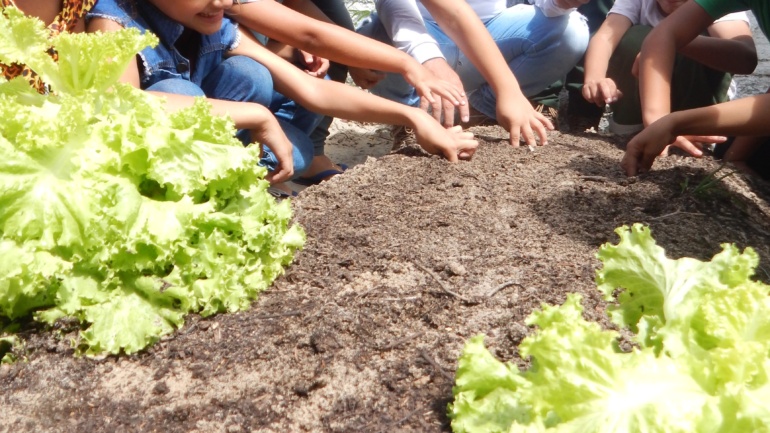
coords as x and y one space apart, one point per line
604 122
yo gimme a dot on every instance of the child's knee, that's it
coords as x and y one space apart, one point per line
374 29
576 35
252 80
176 86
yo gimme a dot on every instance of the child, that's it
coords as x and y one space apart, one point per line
699 73
746 118
59 16
203 53
500 54
307 29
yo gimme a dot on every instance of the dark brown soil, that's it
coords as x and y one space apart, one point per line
363 332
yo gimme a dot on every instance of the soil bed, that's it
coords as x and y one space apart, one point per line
363 332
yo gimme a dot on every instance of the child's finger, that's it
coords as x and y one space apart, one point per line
465 112
541 132
689 147
449 114
631 159
515 137
282 173
706 138
426 104
528 135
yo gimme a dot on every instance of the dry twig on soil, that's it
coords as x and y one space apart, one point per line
494 291
678 212
400 341
443 286
436 366
279 315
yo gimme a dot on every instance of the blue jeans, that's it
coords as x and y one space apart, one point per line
242 79
539 50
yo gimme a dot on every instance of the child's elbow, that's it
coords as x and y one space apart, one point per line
746 59
743 65
749 62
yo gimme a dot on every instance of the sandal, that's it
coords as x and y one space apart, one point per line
319 177
280 194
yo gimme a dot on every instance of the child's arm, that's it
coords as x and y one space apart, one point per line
746 116
656 63
728 48
743 148
597 87
656 60
313 65
263 125
46 11
347 102
406 28
514 112
337 44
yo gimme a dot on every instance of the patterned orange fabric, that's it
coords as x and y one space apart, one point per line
71 12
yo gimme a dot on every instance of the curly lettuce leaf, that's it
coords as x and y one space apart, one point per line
116 212
702 364
84 65
487 397
23 40
28 278
578 382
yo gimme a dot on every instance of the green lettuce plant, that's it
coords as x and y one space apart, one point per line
113 211
702 334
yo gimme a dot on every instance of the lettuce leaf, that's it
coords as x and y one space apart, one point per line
117 213
701 364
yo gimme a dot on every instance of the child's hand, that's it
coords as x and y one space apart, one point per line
314 65
365 78
642 150
693 144
271 135
453 143
517 116
653 141
440 89
601 92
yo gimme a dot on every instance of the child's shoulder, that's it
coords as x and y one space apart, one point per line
121 11
114 7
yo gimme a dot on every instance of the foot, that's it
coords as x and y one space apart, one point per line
321 168
320 164
281 191
402 137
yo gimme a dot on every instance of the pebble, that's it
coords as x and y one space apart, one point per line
455 268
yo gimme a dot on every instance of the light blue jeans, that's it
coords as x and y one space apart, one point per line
242 79
539 50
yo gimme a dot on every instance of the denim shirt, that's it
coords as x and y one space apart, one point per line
164 61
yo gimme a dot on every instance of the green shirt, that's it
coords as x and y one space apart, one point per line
720 8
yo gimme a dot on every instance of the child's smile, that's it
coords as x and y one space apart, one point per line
203 16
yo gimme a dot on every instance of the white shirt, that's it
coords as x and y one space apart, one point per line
403 20
647 13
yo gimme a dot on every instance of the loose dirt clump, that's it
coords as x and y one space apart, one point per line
406 258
